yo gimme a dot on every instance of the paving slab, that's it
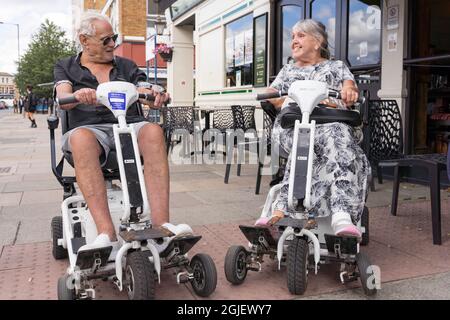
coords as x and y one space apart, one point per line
10 199
38 197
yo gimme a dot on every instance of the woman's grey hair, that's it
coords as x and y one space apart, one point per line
317 30
86 23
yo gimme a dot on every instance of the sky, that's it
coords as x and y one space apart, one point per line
29 14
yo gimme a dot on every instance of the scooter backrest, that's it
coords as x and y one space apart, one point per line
291 113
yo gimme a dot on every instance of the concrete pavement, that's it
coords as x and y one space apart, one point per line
30 196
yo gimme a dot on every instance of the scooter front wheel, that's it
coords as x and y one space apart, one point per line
204 280
236 264
66 288
297 266
140 276
366 274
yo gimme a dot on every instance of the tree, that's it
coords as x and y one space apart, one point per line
47 46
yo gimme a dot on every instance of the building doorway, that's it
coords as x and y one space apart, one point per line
428 66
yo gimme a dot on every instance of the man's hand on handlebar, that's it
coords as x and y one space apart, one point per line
160 98
86 96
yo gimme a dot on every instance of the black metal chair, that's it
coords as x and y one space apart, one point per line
385 134
177 119
270 114
242 120
386 151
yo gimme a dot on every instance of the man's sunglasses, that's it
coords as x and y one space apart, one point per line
105 41
108 39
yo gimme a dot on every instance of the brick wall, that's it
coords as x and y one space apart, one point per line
94 4
133 20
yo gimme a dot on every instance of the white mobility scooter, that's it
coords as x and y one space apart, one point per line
302 249
136 263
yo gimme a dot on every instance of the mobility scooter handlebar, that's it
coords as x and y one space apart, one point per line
279 94
72 99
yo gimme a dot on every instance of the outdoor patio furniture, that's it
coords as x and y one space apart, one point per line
385 151
270 114
242 120
177 119
385 134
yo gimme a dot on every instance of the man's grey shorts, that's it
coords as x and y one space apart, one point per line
103 133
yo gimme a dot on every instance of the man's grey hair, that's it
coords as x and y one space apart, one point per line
317 30
86 23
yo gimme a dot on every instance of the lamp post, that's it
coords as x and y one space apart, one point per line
159 28
18 40
159 31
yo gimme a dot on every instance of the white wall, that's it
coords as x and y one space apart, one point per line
392 74
210 72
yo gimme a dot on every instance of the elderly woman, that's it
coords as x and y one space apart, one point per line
340 168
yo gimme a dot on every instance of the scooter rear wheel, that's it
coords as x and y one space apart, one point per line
365 224
140 276
205 275
297 266
236 264
59 252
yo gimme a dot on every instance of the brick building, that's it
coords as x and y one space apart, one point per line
7 85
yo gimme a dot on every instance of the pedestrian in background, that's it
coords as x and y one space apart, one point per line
21 102
31 102
15 105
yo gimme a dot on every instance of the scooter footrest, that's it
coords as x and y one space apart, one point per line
346 245
254 233
182 243
290 222
87 258
141 235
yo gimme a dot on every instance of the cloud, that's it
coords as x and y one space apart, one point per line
29 15
361 33
325 12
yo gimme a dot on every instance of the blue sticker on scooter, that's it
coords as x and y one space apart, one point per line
117 100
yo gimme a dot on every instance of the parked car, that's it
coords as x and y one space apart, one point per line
7 101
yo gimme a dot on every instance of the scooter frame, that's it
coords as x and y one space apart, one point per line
134 229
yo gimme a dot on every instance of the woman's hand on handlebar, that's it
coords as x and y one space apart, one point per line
349 93
86 96
276 102
160 98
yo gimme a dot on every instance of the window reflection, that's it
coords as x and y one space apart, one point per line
325 12
290 16
364 32
239 52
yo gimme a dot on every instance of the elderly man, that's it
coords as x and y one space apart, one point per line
91 136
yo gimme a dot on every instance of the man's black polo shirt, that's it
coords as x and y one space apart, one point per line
70 70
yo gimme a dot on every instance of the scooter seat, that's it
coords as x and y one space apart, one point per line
320 114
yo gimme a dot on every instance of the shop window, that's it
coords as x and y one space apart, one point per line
325 12
364 32
290 15
239 52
